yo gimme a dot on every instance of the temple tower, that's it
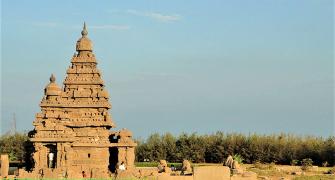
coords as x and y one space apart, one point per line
72 132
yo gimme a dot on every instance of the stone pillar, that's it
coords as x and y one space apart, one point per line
43 157
130 156
122 155
4 165
59 155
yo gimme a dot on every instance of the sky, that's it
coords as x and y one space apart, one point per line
239 66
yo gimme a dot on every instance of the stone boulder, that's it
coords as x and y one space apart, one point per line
186 167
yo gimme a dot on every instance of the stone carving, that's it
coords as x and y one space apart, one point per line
233 165
186 168
163 167
229 161
72 131
236 168
125 136
236 165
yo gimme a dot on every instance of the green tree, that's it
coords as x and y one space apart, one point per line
214 148
14 146
169 146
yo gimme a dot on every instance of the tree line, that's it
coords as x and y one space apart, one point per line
212 148
15 145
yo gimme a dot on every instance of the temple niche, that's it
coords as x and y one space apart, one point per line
72 133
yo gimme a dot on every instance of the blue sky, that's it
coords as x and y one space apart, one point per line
180 66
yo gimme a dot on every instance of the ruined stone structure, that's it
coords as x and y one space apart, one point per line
4 163
72 136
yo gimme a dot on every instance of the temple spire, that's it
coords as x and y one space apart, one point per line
84 43
84 31
52 78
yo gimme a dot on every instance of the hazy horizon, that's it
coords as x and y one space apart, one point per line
264 67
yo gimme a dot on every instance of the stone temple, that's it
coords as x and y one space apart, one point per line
72 133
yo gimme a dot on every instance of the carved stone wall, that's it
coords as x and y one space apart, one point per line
72 131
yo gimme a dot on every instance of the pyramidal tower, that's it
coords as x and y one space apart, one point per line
72 136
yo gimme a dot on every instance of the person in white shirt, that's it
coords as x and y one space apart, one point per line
122 167
51 159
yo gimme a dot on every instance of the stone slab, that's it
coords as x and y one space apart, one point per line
211 172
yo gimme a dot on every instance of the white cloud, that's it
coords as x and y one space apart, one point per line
109 26
155 15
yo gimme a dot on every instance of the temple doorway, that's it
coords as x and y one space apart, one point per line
51 155
113 159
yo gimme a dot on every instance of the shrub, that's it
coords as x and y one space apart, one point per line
306 164
238 158
294 162
325 164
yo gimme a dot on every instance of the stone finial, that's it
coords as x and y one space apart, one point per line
84 32
84 43
52 88
52 78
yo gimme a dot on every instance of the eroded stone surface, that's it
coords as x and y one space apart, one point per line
163 167
72 135
4 161
186 167
233 165
229 161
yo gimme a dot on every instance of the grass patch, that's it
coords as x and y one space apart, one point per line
267 172
146 164
111 178
317 177
265 169
155 164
